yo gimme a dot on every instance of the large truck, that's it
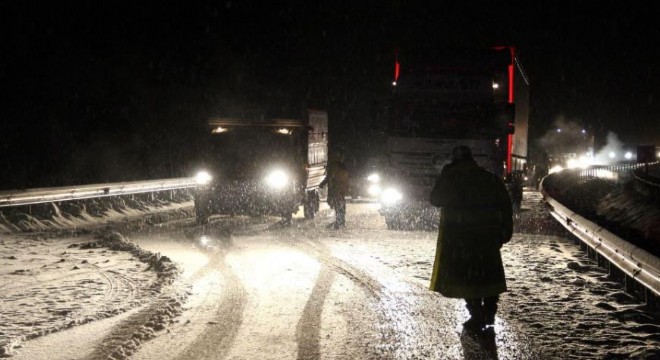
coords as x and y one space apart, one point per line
256 166
473 97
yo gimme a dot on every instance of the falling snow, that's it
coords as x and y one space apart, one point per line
173 289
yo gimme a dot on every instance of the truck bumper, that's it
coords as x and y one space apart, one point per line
410 213
244 199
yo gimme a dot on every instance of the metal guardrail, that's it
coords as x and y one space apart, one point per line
648 180
47 195
634 262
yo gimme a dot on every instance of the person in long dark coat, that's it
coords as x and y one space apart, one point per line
476 220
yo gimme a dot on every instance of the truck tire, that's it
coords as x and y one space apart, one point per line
287 218
202 209
393 222
201 216
311 206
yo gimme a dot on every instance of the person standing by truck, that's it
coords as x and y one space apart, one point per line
476 221
337 180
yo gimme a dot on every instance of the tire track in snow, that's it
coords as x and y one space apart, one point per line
411 321
309 326
216 341
371 286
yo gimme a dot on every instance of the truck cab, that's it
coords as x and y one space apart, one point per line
472 97
262 167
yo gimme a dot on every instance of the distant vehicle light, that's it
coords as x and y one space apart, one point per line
496 86
374 178
628 155
391 196
374 190
203 178
554 169
558 130
277 179
219 130
583 162
612 155
393 83
606 174
284 131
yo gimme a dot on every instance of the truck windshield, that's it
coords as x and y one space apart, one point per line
430 118
252 148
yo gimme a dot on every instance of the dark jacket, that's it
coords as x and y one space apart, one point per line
475 222
337 180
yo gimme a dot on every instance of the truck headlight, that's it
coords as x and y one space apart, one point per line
374 178
203 178
277 179
391 196
374 190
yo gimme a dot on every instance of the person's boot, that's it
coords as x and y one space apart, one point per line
489 319
490 309
476 322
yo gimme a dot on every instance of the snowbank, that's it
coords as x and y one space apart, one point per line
50 281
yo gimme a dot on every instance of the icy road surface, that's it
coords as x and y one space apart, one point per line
256 290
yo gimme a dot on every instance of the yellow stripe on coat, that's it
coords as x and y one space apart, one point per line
435 275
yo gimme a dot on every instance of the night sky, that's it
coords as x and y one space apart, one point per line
115 92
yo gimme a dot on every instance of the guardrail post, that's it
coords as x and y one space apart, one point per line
652 300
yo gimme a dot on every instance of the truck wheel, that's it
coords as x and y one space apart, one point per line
287 218
311 205
202 216
202 210
393 222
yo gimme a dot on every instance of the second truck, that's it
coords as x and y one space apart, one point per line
473 97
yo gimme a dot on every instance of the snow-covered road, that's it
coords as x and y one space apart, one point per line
251 289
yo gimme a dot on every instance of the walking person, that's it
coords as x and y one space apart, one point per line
475 222
337 180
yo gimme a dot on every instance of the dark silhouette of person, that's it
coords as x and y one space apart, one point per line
476 220
337 180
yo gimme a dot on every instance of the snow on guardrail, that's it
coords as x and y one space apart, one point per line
48 195
633 261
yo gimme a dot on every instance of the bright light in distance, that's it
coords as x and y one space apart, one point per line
391 196
606 174
203 178
277 179
374 190
572 163
583 162
284 131
558 130
496 85
628 155
373 178
659 154
219 130
612 155
554 169
393 83
584 131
